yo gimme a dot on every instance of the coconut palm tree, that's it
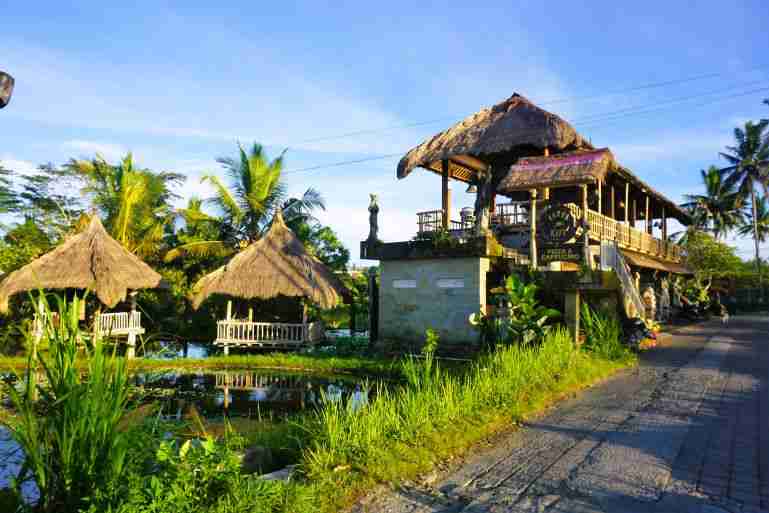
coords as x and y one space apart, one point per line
718 210
134 203
749 167
248 201
761 224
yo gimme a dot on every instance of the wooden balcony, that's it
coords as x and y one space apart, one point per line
514 217
119 324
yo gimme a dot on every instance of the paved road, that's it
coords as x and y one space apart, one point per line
688 430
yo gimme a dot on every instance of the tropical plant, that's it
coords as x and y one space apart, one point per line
134 203
761 225
72 436
519 318
603 334
248 203
8 200
749 169
718 210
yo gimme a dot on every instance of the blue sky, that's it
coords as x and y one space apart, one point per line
179 84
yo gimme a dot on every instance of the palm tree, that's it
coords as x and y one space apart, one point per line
718 209
761 224
247 204
134 203
749 168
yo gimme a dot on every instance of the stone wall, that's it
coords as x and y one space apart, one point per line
441 294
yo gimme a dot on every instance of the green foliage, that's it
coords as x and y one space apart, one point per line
407 429
72 435
246 205
709 257
762 221
518 319
133 202
603 334
719 209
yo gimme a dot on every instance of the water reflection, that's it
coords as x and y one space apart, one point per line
248 393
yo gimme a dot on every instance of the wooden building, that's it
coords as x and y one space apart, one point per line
545 198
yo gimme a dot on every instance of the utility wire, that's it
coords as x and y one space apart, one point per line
651 85
591 121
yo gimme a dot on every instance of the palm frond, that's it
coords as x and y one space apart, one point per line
201 249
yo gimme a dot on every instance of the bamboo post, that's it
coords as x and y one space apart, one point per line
664 226
305 333
445 194
533 228
250 314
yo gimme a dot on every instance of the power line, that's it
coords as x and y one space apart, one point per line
593 121
651 85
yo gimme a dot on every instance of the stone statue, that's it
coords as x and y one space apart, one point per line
650 302
664 304
373 222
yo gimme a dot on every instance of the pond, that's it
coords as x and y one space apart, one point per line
258 395
247 393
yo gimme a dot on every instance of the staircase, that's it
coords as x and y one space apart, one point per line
612 259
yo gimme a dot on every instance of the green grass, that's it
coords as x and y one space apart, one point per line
326 364
406 431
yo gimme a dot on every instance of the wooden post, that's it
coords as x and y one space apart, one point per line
571 314
533 228
664 225
250 314
586 234
600 197
613 202
131 349
627 203
305 333
647 216
227 334
445 194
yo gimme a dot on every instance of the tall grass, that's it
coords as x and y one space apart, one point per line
69 428
603 334
437 413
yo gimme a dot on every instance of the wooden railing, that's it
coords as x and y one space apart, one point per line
247 333
603 228
118 323
611 258
254 380
515 216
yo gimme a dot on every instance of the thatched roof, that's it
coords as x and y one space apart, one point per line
89 260
578 167
513 123
558 171
277 264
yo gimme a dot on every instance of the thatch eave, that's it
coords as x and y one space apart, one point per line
90 260
501 129
276 265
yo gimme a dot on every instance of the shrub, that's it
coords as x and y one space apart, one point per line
603 334
71 436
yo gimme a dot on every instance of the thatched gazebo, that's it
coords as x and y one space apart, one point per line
90 260
276 265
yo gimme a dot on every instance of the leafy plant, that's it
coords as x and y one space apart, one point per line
603 334
71 436
519 318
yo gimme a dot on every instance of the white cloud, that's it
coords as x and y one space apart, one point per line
88 149
22 167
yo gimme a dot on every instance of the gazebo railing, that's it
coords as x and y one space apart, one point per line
248 333
119 323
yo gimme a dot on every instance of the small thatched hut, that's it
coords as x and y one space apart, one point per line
90 260
276 265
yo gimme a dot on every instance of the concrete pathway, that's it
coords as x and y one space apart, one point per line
688 430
